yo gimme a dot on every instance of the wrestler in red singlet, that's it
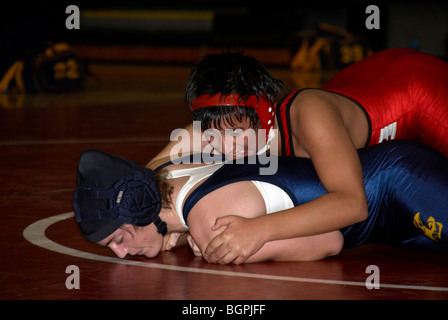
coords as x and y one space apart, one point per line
403 92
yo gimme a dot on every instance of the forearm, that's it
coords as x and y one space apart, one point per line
310 248
331 212
183 141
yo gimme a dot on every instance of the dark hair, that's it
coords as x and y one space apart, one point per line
164 187
229 73
225 115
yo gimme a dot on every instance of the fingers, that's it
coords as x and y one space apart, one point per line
222 222
212 249
229 257
194 247
227 247
170 240
221 250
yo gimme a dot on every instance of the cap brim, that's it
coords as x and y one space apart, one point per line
98 230
97 169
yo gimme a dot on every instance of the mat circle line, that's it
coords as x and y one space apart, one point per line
35 234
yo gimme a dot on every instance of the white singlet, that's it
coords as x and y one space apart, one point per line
275 199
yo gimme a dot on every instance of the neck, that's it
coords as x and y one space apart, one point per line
172 220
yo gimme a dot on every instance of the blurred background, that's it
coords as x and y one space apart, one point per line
310 40
217 25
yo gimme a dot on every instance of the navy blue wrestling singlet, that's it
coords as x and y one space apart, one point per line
406 187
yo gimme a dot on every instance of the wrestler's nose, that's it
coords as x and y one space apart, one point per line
120 250
229 144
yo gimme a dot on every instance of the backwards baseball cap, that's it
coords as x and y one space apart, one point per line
112 191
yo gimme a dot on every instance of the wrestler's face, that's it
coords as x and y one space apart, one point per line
133 240
234 141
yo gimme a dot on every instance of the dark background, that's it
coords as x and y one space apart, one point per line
276 24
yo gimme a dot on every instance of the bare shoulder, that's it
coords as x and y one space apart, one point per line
240 198
314 118
316 110
313 111
312 100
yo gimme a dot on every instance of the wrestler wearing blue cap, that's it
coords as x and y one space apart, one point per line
406 187
113 191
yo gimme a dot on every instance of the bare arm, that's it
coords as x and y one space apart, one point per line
319 129
183 142
311 248
247 201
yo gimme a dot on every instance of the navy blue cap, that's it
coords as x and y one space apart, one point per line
112 191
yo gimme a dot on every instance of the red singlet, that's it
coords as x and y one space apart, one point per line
404 93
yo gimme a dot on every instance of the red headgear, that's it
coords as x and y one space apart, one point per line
263 106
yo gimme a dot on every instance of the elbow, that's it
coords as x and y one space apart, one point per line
336 244
331 244
352 206
359 208
363 209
